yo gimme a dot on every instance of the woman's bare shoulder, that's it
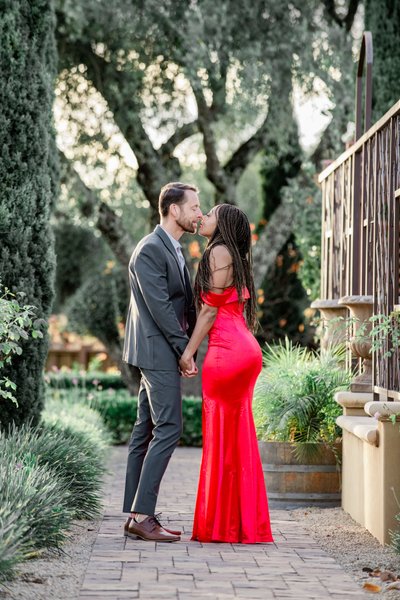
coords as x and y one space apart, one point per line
220 256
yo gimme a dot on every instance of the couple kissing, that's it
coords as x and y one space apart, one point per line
166 322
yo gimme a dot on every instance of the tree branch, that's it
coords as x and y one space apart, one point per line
119 89
184 132
346 21
108 222
351 13
214 170
111 227
241 158
331 10
218 85
88 199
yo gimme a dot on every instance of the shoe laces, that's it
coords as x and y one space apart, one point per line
157 519
154 522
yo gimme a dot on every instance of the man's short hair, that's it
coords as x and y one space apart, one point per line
173 193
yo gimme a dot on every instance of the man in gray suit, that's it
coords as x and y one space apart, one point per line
160 320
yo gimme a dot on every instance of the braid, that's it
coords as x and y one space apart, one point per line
232 231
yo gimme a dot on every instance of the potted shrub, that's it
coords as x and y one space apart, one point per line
295 416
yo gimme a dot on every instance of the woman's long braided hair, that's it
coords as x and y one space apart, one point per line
232 231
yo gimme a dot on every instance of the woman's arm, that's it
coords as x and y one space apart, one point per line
205 320
221 268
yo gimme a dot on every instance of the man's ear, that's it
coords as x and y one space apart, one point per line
174 210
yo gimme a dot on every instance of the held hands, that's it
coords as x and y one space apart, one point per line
187 366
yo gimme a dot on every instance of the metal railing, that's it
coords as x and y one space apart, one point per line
361 222
360 232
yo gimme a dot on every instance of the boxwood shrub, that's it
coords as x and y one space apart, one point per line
84 380
118 411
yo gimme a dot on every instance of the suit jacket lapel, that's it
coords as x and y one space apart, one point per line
188 286
168 244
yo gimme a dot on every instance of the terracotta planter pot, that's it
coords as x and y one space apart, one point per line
292 483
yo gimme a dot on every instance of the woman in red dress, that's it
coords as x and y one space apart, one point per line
231 501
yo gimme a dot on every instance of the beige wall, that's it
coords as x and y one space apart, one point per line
370 476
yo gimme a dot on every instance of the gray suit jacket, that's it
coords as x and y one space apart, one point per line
161 305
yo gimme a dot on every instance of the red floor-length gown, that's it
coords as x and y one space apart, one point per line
231 503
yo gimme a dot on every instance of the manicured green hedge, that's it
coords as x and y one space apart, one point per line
84 380
118 410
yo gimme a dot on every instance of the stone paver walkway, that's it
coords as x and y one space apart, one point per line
294 567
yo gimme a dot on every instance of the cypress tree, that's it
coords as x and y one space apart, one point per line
281 311
382 18
28 182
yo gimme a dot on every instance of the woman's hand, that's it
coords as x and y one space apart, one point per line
205 319
187 365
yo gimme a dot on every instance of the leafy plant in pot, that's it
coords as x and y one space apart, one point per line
295 416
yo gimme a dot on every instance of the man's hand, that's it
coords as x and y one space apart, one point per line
187 366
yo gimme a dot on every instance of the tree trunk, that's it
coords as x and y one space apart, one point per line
273 237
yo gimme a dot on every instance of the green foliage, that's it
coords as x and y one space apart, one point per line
294 396
129 69
192 422
178 40
31 491
79 254
382 18
16 322
284 300
49 474
381 331
395 536
306 198
281 162
70 412
150 58
384 332
118 411
91 289
98 307
86 380
11 541
72 456
28 182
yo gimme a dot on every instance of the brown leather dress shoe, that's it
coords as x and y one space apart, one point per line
126 529
171 531
150 530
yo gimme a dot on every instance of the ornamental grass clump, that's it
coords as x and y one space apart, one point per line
11 542
70 455
39 500
49 475
294 396
72 414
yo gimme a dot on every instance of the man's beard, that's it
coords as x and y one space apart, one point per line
186 225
